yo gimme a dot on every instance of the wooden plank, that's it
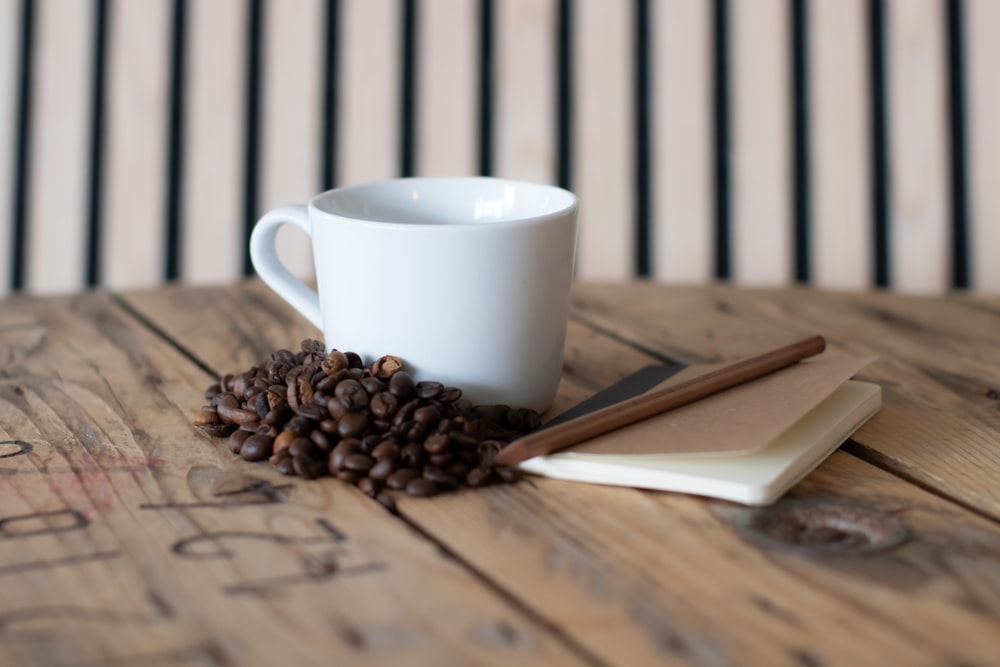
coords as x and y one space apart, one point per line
604 139
682 148
10 24
841 228
918 155
130 538
213 153
60 149
369 95
524 94
292 146
651 578
138 72
447 89
982 53
761 143
932 354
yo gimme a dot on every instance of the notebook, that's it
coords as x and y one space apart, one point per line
749 444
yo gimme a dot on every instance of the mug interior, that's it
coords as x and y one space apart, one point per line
446 201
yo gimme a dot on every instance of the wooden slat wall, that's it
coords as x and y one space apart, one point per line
846 144
10 19
983 53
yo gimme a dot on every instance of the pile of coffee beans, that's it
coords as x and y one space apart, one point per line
312 413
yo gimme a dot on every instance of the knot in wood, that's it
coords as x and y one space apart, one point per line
825 528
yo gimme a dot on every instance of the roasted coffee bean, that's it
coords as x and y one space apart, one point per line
438 476
459 470
354 360
385 450
316 413
306 467
322 441
341 451
260 405
206 416
349 476
437 443
405 412
442 460
427 415
334 362
336 407
428 389
303 447
463 440
382 469
352 393
327 383
240 415
422 487
400 478
385 367
236 440
283 440
264 429
360 462
279 414
352 424
299 425
328 425
370 442
384 405
411 455
417 432
257 448
372 385
368 486
450 394
284 466
401 385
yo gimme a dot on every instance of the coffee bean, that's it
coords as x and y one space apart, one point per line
427 414
352 393
352 424
386 450
368 486
343 449
206 416
336 407
382 469
299 425
257 447
322 441
237 439
283 440
372 385
450 394
508 474
303 447
279 414
437 443
442 460
438 476
385 499
262 429
401 478
421 487
384 405
359 462
334 362
428 389
479 476
328 425
401 385
285 466
349 476
316 413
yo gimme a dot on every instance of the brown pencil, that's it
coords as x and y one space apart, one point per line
652 403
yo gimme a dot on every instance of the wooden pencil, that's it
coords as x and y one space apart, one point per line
654 402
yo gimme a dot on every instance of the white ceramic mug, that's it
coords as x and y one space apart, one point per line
465 279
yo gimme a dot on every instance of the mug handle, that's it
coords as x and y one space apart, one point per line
265 260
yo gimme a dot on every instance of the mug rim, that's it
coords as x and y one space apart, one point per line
568 207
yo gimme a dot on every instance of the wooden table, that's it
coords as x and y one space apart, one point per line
129 538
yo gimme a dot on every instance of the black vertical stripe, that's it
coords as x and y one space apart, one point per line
331 82
173 236
486 58
960 269
408 99
721 137
97 107
800 140
22 148
251 147
643 254
879 143
564 94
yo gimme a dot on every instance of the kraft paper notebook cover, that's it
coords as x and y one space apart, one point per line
749 444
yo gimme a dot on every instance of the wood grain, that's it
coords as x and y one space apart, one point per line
128 537
653 578
932 354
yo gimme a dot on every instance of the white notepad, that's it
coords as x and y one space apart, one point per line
757 476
